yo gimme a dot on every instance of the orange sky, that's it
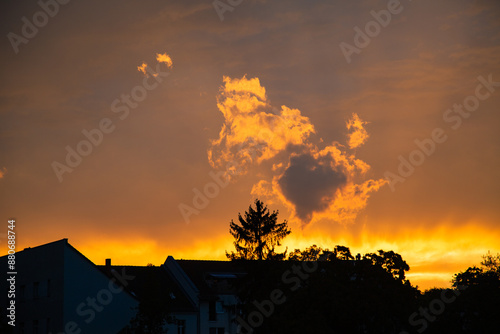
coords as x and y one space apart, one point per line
267 96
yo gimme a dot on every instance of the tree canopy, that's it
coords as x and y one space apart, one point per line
488 272
257 234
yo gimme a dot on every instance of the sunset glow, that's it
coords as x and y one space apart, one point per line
142 130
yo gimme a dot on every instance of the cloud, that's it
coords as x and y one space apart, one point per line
160 58
312 183
320 184
143 68
164 58
357 135
253 130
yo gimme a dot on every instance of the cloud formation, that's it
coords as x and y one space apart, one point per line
143 68
164 58
312 183
160 58
252 131
357 134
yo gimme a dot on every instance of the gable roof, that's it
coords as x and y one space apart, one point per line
64 244
152 277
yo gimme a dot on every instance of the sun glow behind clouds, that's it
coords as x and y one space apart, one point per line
151 163
433 255
141 252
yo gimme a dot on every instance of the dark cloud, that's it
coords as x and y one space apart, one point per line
310 184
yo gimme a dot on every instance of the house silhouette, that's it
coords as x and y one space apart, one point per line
59 290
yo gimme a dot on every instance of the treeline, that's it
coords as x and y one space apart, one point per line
319 290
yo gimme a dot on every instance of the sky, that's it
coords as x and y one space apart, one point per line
139 130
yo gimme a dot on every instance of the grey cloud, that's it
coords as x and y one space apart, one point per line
310 184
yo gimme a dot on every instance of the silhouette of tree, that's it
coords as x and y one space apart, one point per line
392 262
469 277
309 254
334 295
491 262
257 234
342 253
477 303
315 253
488 272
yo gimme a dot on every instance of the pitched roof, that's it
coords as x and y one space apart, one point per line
153 277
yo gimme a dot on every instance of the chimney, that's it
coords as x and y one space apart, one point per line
108 264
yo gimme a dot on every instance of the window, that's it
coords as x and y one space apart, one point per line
216 330
35 290
181 326
218 307
212 316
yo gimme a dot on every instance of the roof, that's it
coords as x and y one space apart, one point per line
63 243
213 277
153 279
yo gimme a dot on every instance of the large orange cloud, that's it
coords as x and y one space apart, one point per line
311 182
252 131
